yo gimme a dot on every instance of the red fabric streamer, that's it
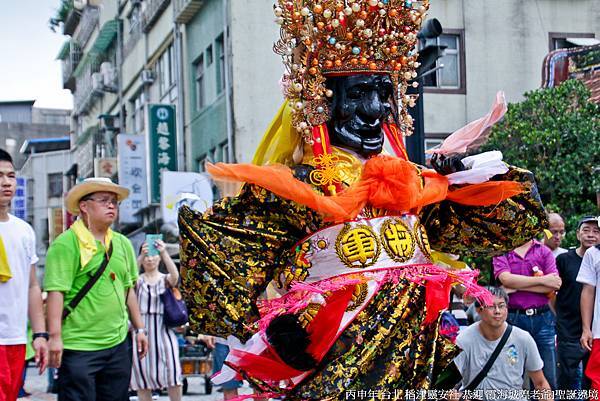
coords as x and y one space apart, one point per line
324 327
395 139
437 298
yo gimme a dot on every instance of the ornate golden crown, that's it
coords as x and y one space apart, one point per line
321 38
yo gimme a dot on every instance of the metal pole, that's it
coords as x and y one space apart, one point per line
228 89
415 144
180 127
119 67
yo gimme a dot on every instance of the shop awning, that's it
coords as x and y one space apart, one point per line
64 50
107 34
583 41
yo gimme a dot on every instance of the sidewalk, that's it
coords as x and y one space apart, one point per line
36 385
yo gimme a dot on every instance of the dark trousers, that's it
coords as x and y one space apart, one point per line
572 359
95 375
542 329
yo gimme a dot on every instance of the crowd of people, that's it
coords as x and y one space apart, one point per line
101 315
103 325
112 338
547 298
106 334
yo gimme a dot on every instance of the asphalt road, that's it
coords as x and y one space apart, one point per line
36 385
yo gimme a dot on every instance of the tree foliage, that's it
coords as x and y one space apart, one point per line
555 133
61 14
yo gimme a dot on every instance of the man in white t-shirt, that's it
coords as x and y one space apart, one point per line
590 307
519 354
20 293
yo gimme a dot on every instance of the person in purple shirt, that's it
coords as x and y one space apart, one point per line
528 305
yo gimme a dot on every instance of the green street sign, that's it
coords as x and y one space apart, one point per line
162 145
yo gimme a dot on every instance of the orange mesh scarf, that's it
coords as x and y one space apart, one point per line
386 182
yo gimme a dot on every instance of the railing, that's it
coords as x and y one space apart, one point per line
68 66
85 92
87 24
153 11
184 10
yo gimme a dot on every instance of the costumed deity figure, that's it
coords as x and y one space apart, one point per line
344 231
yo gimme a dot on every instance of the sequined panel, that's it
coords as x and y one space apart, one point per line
230 254
490 230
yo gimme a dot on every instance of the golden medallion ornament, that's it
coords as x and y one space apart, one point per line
422 239
320 244
358 246
397 240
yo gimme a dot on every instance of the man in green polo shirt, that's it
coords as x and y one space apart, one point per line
90 344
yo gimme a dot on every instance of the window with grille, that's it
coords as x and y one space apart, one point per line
55 185
450 69
199 78
138 117
221 63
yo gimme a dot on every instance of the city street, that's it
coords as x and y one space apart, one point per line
36 385
331 199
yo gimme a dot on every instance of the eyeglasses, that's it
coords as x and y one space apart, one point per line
500 307
105 201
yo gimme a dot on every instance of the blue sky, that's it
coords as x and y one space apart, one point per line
28 48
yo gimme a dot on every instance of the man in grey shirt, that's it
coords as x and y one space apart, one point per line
505 378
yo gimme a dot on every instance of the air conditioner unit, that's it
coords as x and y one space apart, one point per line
109 74
97 81
147 76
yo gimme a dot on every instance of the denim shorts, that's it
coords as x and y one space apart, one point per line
219 354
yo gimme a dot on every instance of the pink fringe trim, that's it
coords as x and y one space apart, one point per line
301 294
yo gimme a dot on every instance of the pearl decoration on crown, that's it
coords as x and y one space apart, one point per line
321 38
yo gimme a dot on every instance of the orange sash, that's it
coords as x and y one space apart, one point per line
387 182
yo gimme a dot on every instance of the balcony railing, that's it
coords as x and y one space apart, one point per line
87 24
85 92
153 11
68 66
185 10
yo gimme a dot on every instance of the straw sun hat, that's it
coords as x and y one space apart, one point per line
89 186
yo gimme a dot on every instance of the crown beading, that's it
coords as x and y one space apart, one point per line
323 38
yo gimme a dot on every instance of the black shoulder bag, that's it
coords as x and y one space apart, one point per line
473 385
88 286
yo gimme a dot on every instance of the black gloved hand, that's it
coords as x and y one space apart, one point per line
447 165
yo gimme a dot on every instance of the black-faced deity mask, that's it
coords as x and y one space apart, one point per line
360 106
